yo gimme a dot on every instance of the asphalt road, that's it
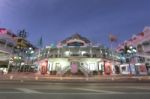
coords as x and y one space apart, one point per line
47 90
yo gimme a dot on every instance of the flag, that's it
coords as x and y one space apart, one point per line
112 38
140 35
40 42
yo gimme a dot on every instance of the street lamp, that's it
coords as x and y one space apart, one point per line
29 53
131 51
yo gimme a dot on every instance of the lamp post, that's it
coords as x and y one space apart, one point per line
29 53
130 52
17 60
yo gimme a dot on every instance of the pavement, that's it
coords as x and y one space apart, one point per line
51 78
46 90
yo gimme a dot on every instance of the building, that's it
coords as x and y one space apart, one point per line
141 42
7 44
76 55
10 51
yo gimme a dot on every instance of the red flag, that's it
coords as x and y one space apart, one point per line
112 38
141 34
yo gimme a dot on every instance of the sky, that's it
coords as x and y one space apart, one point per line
56 20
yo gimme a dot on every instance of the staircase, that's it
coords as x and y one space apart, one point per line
85 71
64 70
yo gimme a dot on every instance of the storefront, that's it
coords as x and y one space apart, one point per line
127 69
141 69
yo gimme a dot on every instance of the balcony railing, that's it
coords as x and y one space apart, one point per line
5 49
77 52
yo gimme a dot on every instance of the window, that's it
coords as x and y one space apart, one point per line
75 44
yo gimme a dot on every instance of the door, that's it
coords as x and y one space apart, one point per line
74 67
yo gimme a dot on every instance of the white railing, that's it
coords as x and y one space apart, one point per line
84 70
5 50
64 70
4 58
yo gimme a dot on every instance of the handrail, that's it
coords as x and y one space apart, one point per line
65 69
84 70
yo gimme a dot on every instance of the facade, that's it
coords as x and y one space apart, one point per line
10 53
7 44
77 55
141 43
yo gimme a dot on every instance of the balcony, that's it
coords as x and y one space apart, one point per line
5 49
82 52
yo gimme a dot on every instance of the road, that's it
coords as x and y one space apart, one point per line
47 90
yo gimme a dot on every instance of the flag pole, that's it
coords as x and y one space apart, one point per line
40 43
111 45
112 39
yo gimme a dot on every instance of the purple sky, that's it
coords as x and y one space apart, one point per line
58 19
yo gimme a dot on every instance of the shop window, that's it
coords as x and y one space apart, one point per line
123 69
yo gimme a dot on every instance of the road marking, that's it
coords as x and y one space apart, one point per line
96 93
140 88
99 91
25 90
136 93
10 92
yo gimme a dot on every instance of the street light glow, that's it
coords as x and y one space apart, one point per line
32 52
19 57
130 47
83 52
67 53
134 50
128 51
30 48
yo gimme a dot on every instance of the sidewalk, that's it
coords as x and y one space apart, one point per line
53 78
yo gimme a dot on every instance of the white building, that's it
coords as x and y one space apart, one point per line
76 55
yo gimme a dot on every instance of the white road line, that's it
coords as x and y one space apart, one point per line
136 93
140 88
10 92
25 90
99 91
